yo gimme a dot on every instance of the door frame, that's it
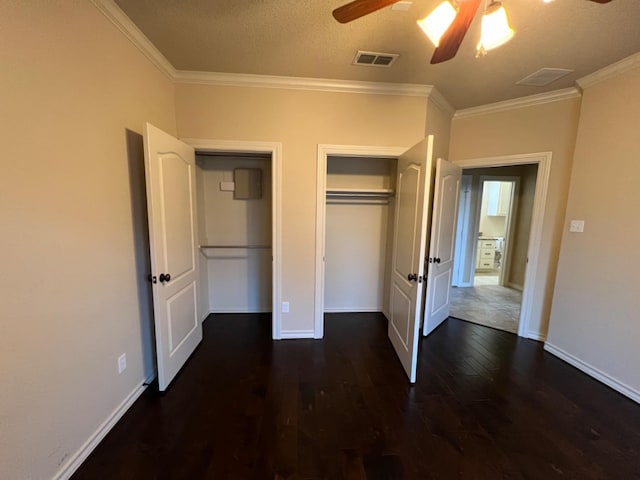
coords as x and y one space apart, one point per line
325 151
506 253
543 160
462 233
275 150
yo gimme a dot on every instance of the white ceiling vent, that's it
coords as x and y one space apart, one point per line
544 76
375 59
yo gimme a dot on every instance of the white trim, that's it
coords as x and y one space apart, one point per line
594 372
462 233
538 337
293 334
354 310
543 159
117 17
610 71
521 102
275 149
96 437
111 10
241 310
301 83
325 151
441 102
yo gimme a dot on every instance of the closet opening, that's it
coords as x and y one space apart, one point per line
235 209
356 207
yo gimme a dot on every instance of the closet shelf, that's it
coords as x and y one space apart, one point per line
360 192
249 247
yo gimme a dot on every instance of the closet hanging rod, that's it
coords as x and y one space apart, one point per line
250 247
360 192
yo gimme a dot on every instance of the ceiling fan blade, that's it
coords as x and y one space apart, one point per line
601 1
359 8
452 38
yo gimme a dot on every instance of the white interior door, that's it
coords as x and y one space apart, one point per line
442 245
409 241
171 200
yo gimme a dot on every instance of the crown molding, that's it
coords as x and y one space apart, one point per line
522 102
117 17
610 71
129 29
441 102
300 83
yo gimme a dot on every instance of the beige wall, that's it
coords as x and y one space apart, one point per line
73 296
548 127
597 297
300 120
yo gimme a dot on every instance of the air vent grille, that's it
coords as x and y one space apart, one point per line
375 59
544 76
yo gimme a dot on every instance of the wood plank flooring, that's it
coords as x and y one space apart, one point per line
486 405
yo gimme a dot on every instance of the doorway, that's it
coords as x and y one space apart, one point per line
512 258
498 207
241 242
234 208
354 224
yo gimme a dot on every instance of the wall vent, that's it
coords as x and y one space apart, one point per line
544 76
375 59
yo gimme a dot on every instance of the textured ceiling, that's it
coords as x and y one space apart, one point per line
300 38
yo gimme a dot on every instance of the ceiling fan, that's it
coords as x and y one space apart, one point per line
450 41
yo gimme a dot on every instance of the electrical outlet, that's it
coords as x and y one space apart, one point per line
285 307
122 363
576 226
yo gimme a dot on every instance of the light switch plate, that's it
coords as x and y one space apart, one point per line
576 226
227 186
285 307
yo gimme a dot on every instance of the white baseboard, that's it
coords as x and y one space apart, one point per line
241 310
540 337
291 334
592 371
96 437
353 310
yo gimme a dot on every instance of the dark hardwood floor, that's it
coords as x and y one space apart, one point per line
487 405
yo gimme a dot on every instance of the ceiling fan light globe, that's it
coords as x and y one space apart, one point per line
496 30
437 22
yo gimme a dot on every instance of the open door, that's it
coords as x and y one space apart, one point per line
171 201
409 242
442 247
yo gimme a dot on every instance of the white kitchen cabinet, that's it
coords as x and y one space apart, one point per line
498 198
485 255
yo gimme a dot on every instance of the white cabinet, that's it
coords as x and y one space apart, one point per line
485 255
498 198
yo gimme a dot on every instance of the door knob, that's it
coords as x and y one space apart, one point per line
436 260
412 277
164 277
